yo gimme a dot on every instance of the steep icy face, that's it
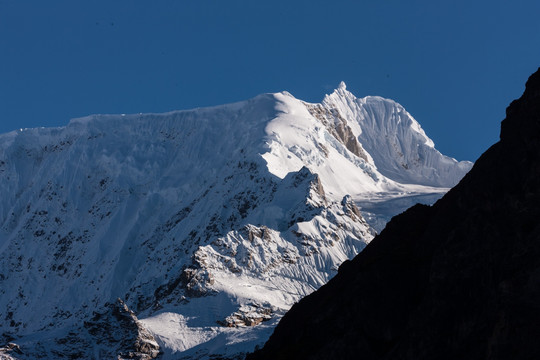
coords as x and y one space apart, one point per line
398 145
239 210
301 136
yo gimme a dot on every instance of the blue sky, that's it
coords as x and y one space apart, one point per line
454 65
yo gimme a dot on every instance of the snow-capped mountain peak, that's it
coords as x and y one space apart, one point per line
399 147
239 209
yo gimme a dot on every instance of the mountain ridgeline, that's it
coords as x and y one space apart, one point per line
189 234
458 280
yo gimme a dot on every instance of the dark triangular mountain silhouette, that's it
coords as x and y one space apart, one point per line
458 280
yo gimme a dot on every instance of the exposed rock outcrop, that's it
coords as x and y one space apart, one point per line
248 315
122 334
459 280
338 127
10 351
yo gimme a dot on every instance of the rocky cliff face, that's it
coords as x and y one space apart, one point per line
459 280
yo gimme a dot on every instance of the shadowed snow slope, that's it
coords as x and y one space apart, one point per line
190 233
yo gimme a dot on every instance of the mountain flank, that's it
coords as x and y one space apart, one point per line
458 280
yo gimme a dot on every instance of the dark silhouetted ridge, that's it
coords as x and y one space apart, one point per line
459 280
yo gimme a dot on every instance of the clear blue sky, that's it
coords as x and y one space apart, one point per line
454 65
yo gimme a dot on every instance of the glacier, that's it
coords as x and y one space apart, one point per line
189 234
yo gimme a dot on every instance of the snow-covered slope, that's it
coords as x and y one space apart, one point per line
399 146
190 233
